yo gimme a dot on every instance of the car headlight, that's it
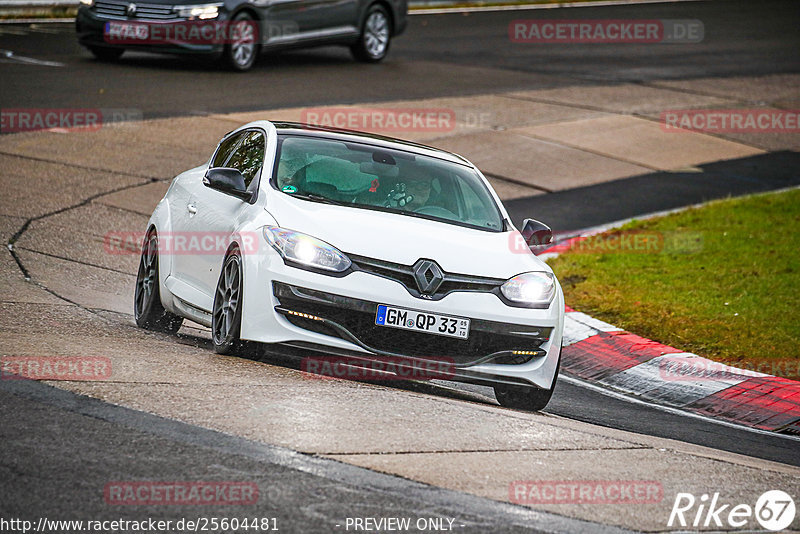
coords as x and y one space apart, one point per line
201 11
87 3
305 250
530 289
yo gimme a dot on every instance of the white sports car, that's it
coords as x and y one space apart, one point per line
316 240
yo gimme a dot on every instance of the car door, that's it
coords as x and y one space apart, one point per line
219 214
294 20
185 258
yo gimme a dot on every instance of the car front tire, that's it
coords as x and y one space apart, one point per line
529 399
240 54
226 318
373 43
147 308
104 53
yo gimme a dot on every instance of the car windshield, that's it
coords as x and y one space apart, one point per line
366 176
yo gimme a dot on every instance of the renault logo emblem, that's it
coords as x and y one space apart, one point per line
428 275
131 10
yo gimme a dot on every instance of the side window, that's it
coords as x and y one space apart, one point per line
472 203
249 157
478 207
225 149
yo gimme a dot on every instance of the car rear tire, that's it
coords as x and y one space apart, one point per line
104 53
147 308
530 399
373 43
240 54
226 318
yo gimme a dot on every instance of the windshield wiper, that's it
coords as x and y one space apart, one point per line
319 198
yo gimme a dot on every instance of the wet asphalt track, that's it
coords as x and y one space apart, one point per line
478 60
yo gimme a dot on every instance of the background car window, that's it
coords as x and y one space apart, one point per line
249 156
225 149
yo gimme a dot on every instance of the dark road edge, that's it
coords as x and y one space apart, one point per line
497 512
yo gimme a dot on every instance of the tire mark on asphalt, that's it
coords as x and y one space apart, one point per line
735 100
514 181
84 202
128 210
83 167
79 262
590 151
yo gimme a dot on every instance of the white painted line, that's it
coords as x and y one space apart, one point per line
597 324
674 411
575 331
9 56
520 7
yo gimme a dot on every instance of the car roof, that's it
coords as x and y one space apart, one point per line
285 127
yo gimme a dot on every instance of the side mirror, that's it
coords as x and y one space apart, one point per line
228 181
535 233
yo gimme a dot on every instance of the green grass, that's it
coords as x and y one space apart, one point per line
725 284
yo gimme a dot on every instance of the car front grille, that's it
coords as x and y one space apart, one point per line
112 9
404 274
354 320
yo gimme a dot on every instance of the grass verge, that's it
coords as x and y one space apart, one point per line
721 281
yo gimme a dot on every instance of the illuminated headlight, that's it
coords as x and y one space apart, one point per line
306 250
87 3
202 11
530 289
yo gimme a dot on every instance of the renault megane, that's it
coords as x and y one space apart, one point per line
344 243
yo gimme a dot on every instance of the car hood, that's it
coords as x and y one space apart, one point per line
405 239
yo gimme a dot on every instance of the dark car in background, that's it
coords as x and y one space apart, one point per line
235 31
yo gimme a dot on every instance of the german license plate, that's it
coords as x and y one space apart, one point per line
428 323
126 31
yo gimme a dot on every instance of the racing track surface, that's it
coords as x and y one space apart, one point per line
440 55
111 181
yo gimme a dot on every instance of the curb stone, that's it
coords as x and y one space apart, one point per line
609 356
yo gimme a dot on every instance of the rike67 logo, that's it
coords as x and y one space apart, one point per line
774 510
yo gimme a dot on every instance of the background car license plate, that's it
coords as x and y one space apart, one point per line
126 31
429 323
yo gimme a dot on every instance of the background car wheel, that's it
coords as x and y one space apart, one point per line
373 44
147 308
241 53
104 53
530 399
226 319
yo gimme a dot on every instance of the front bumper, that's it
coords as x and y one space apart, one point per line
90 29
354 320
505 345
